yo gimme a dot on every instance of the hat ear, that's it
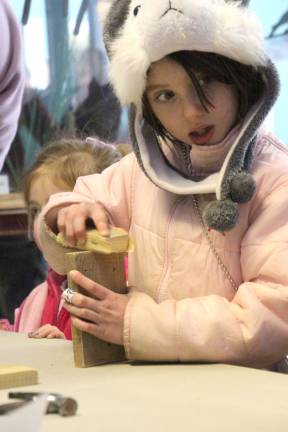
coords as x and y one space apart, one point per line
114 21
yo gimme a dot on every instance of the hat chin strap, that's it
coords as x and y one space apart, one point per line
221 213
155 166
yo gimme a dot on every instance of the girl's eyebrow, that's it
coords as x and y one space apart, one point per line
156 87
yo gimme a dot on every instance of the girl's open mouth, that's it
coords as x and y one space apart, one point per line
202 136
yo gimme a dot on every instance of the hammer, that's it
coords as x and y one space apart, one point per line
57 404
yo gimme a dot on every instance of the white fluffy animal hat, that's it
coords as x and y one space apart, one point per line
140 32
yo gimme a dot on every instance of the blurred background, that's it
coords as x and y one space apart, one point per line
67 90
274 18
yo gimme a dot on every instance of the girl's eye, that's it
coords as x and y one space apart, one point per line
34 211
136 10
165 96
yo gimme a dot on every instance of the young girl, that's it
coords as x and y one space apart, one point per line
56 169
204 196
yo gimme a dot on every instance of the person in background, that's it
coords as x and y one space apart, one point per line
204 196
12 78
124 148
56 169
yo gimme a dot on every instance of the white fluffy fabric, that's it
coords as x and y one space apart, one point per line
225 28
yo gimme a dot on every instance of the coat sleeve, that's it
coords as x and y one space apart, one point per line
27 317
112 188
250 330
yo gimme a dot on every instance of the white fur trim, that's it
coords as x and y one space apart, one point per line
217 26
128 68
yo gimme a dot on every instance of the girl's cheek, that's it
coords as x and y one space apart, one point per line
34 231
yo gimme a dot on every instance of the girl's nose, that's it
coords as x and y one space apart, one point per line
191 105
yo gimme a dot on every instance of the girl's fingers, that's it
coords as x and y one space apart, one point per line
76 229
87 327
52 219
65 227
74 298
78 226
83 313
61 220
72 220
97 290
56 334
100 219
76 221
42 332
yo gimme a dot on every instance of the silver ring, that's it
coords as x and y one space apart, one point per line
67 295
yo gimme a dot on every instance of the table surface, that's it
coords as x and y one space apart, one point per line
163 397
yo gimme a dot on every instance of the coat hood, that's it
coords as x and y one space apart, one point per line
140 32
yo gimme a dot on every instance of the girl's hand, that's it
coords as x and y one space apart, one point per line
102 314
47 331
72 220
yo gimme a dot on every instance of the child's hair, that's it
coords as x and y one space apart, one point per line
246 79
67 159
124 148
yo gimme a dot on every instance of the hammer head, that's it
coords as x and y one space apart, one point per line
57 404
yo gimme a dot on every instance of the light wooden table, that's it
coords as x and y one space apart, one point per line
142 398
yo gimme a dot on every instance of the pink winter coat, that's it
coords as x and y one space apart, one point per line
42 306
182 306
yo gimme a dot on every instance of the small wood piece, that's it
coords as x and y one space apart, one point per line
117 242
107 270
17 376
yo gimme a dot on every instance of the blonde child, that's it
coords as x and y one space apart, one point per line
204 196
56 169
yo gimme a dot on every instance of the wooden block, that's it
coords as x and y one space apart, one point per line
117 242
108 270
17 376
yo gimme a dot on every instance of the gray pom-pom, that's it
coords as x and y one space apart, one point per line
242 187
221 215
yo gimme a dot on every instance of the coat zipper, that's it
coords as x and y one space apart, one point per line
162 289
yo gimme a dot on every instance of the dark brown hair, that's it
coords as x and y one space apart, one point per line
246 79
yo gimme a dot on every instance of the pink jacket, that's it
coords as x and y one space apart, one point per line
42 306
182 306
